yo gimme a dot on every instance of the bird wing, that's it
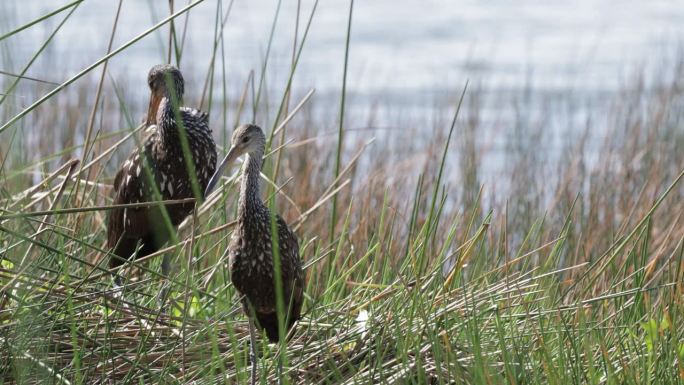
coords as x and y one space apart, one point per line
202 144
129 187
194 117
290 247
292 268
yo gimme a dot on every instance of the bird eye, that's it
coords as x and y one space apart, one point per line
245 139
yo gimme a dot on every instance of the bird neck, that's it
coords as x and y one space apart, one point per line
166 117
250 195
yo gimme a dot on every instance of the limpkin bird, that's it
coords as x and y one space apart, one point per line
160 164
251 257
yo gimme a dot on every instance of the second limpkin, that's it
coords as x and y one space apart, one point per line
253 252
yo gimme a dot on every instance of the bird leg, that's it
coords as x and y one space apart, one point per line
279 371
166 264
118 286
252 351
163 293
162 296
118 281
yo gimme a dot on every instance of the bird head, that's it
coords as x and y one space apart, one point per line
247 139
164 80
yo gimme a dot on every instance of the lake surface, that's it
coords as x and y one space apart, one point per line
398 48
559 62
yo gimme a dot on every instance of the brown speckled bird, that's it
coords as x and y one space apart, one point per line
160 165
251 258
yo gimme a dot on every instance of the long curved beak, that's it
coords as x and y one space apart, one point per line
228 159
155 99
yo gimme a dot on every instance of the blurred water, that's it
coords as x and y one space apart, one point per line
547 66
399 48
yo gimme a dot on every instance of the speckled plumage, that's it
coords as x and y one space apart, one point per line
250 250
162 151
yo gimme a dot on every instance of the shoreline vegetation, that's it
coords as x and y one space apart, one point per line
425 263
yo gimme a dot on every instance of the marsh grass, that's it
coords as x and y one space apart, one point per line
423 265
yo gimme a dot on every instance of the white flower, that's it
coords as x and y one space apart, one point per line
362 321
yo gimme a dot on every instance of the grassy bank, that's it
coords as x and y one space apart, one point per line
424 264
